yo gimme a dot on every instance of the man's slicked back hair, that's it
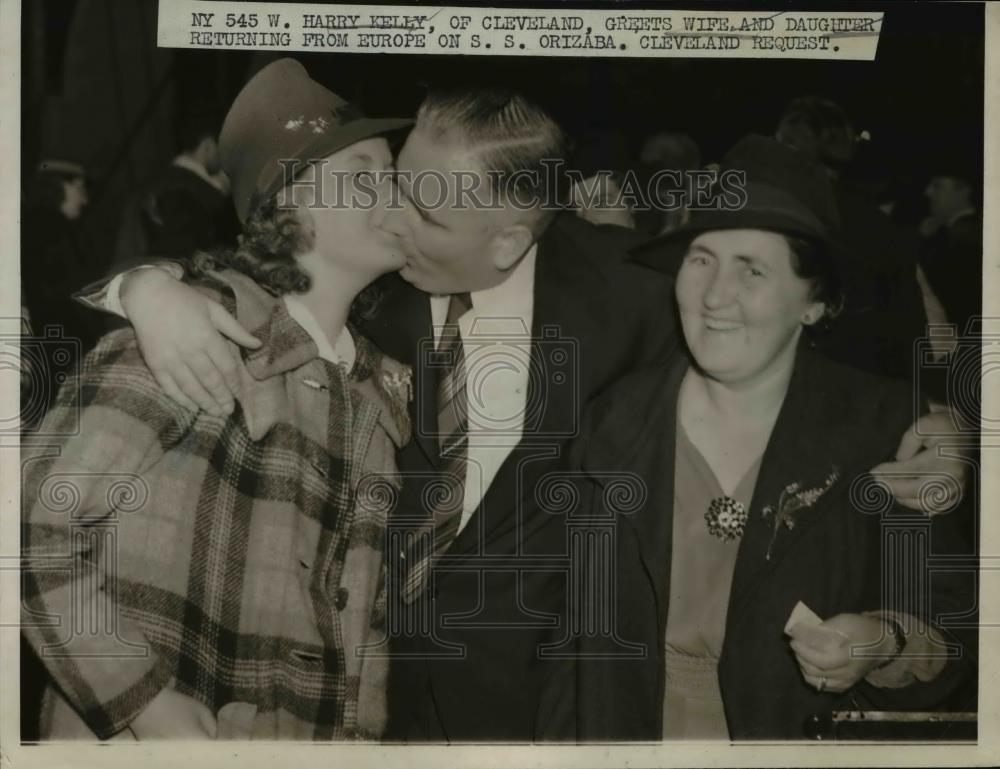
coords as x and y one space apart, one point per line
518 144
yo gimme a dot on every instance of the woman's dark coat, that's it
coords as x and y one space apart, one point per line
832 560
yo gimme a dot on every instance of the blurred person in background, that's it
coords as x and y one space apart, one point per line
952 250
600 195
187 208
884 314
55 259
666 151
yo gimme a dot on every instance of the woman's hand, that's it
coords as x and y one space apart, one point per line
837 654
171 715
180 333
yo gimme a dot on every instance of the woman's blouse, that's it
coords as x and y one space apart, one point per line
701 573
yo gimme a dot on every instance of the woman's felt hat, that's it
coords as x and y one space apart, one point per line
782 191
282 114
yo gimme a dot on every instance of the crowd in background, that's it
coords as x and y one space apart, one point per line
905 273
186 208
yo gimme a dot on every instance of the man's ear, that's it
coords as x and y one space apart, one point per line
510 244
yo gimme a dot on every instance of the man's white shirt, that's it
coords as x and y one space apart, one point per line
496 343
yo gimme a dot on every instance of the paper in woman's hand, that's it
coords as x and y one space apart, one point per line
808 632
818 638
801 613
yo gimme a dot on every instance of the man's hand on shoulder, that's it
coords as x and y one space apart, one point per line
182 335
928 452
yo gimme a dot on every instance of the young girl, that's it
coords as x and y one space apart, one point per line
219 575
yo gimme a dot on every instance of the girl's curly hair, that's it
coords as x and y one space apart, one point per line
273 236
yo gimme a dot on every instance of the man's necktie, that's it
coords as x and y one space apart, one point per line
453 443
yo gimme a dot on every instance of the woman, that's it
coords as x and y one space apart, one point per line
225 570
750 455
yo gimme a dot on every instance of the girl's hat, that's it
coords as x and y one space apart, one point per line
283 114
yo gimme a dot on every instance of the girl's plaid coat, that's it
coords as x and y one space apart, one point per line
237 559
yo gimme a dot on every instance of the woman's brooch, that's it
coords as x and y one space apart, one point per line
399 383
726 518
793 499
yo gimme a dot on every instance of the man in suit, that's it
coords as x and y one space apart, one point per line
513 317
591 317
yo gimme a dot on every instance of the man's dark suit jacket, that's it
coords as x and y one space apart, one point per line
609 317
835 559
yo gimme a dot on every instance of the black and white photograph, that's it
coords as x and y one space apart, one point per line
593 384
